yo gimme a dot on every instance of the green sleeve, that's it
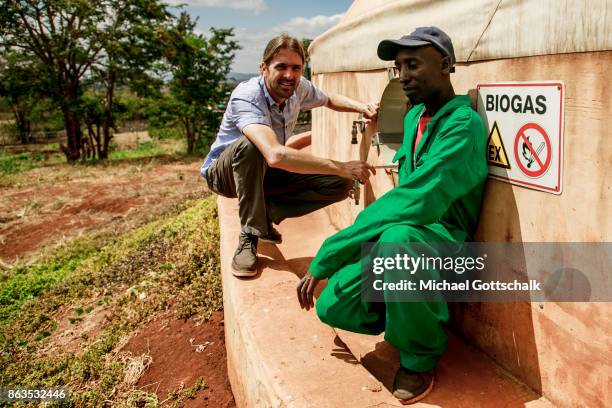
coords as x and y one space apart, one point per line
455 165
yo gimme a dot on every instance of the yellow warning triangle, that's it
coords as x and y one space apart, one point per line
496 151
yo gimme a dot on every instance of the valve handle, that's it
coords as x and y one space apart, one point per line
354 130
354 133
356 191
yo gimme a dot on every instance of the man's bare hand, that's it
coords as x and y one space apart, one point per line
371 111
305 291
356 170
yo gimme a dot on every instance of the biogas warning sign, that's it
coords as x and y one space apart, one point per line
524 122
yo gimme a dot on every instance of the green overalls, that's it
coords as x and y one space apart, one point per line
437 199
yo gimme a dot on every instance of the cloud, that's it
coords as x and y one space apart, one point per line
304 27
253 41
254 5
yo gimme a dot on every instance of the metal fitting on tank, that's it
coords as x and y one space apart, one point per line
356 191
357 123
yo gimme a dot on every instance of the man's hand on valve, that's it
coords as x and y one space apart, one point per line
370 112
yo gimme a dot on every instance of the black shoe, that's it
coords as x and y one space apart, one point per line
410 386
244 263
273 236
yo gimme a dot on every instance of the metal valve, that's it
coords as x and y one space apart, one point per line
354 133
359 122
358 126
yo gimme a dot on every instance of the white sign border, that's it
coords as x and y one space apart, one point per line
561 84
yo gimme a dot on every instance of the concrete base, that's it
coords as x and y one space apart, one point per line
279 355
466 378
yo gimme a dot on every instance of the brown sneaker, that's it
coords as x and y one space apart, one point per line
244 262
411 386
273 236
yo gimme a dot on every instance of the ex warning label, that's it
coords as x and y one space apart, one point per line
496 151
524 121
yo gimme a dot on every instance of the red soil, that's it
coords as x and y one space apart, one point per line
177 361
44 212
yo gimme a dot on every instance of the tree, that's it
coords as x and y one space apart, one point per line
198 68
20 84
63 35
306 116
130 49
71 38
305 44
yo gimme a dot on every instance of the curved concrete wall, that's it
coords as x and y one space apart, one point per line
559 349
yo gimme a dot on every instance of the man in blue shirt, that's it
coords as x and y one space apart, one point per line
251 159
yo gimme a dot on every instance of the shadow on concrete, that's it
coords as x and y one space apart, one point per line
342 352
271 257
382 362
502 330
464 377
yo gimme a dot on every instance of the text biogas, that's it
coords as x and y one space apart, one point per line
516 103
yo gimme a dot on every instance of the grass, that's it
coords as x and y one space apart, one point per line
24 282
167 133
15 163
138 157
146 149
171 263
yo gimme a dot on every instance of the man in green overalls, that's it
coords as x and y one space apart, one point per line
442 172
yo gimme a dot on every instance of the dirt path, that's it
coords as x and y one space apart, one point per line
52 203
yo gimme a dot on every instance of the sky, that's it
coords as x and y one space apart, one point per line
255 22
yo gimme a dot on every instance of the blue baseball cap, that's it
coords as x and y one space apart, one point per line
422 36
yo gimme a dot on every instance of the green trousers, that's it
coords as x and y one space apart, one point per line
414 328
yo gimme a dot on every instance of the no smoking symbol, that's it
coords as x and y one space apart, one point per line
532 150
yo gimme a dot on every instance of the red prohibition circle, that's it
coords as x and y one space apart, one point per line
543 166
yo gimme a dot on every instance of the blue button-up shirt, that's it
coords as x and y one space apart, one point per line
251 103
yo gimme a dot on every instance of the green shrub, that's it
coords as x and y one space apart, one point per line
16 163
162 133
146 149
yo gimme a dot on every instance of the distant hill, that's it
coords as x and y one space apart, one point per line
239 77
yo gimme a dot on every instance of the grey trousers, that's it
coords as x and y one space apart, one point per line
268 195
